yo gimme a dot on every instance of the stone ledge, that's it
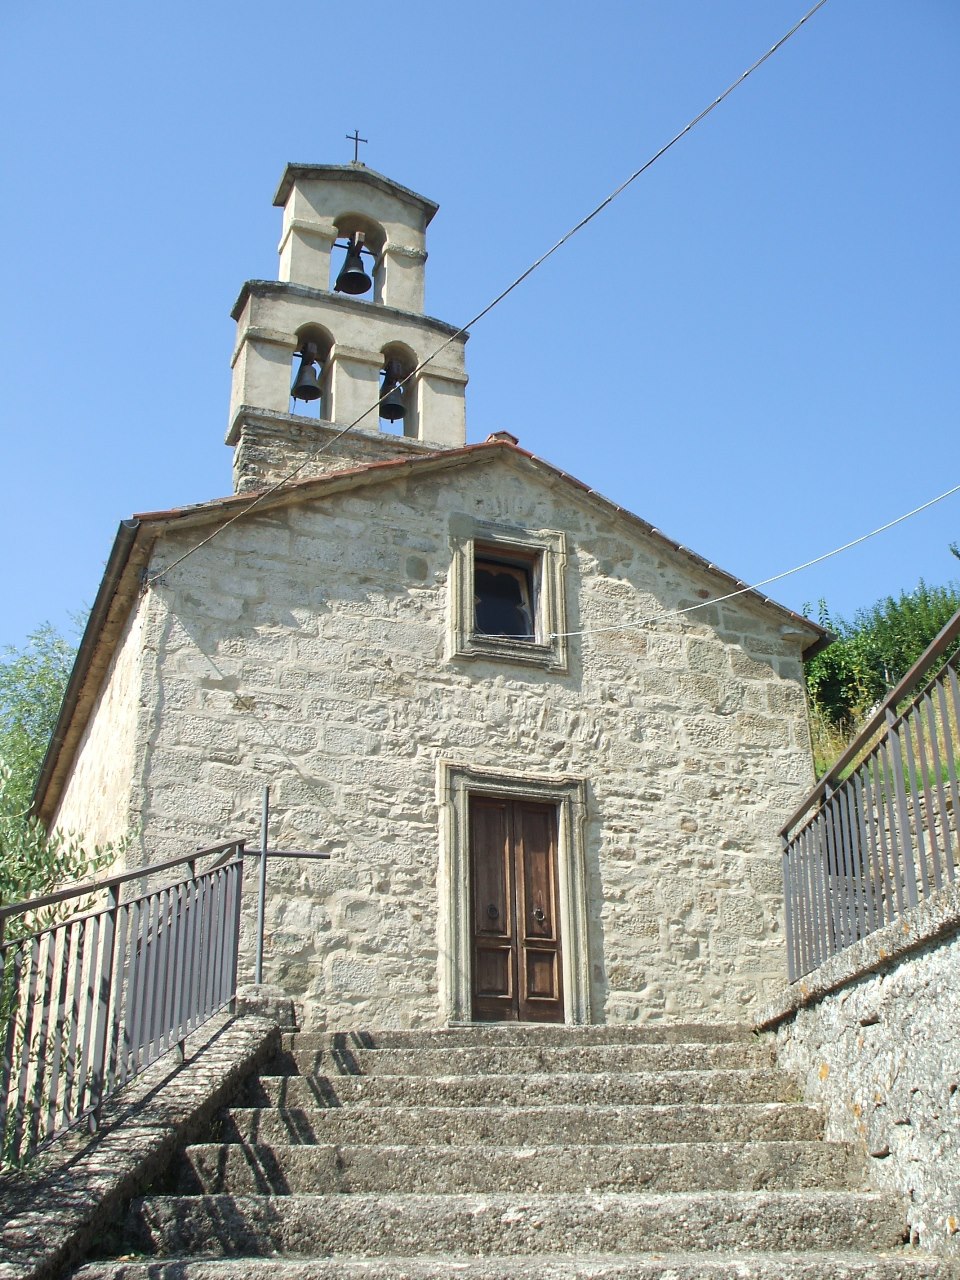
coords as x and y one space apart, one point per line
933 919
270 1002
54 1210
274 420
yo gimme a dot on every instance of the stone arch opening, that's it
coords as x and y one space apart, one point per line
358 226
310 374
399 362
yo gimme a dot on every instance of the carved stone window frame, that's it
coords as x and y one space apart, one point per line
546 550
455 784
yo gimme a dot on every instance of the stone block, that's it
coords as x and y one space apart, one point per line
707 657
751 667
354 976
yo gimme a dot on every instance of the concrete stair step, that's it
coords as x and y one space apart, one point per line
506 1034
523 1126
378 1225
840 1265
619 1089
215 1169
518 1059
521 1152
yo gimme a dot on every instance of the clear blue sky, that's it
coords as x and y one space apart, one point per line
755 348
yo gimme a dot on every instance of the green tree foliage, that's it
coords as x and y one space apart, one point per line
34 862
32 681
875 651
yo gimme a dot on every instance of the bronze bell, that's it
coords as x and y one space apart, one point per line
391 393
306 385
352 277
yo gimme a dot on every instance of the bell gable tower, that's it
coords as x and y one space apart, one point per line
337 340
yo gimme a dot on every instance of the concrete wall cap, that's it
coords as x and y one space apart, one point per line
355 172
932 920
266 288
254 416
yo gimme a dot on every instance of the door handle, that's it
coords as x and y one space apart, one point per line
538 915
493 911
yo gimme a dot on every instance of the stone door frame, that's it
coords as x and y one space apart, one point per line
455 784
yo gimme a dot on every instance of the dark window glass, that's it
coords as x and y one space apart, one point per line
504 599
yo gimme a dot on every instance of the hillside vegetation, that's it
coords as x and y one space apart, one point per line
871 654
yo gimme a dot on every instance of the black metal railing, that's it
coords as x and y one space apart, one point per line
95 985
879 831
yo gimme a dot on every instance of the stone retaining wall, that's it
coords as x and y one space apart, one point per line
874 1036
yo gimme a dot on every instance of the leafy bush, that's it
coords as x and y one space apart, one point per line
32 681
875 651
34 862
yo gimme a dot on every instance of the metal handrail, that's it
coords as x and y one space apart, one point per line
92 993
880 832
89 1001
879 719
88 887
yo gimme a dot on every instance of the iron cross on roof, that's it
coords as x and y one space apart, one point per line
356 140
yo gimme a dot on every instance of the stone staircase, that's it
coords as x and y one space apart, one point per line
535 1152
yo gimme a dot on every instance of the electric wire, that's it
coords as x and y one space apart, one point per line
764 582
524 275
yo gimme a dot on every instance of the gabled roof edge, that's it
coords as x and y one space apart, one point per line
113 573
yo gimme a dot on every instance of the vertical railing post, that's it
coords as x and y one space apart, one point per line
235 947
895 755
952 820
6 1018
262 897
834 873
104 991
186 977
25 1037
789 924
13 977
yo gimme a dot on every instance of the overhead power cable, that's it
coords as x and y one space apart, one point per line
764 582
524 275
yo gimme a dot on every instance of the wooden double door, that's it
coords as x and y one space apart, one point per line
517 971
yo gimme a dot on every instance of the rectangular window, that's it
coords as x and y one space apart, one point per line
507 598
504 595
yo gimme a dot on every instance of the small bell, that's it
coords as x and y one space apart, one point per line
306 385
352 278
391 393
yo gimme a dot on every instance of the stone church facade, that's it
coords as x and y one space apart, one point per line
533 813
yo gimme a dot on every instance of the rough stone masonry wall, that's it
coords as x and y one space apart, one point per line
306 649
271 446
99 801
878 1045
